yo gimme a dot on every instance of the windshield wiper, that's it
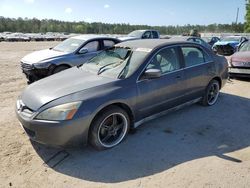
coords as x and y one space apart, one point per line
100 70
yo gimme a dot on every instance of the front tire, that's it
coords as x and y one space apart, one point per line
109 128
211 93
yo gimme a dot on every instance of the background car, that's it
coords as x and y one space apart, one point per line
228 45
197 40
119 89
141 34
71 52
17 37
239 62
211 40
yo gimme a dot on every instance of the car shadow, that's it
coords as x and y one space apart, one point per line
188 134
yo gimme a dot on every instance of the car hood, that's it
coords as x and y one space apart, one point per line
42 55
241 56
59 85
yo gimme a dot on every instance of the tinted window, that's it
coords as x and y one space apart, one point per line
155 34
194 56
147 35
108 43
92 46
166 60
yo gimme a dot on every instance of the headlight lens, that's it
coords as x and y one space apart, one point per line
60 112
42 65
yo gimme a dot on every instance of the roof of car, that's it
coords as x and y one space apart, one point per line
150 43
88 37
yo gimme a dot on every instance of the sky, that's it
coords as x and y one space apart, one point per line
154 13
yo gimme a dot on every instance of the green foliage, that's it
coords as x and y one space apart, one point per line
49 25
247 17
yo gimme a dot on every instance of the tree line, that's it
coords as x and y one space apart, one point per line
50 25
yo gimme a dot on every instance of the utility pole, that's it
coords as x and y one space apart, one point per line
237 15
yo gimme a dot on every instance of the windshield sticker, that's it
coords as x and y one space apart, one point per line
143 50
74 44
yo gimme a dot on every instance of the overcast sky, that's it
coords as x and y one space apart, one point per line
156 12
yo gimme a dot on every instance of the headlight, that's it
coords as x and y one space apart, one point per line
60 112
42 65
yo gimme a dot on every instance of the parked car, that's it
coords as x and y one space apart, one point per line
141 34
192 39
17 37
239 62
211 40
71 52
228 45
118 90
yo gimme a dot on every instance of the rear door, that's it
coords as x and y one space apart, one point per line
155 95
199 68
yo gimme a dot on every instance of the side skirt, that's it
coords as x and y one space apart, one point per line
149 118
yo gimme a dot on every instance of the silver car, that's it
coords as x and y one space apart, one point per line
71 52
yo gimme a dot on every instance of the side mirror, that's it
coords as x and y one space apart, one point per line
83 51
152 73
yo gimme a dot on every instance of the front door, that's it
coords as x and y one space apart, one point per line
155 95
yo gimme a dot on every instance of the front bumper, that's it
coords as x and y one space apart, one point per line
56 133
33 74
241 72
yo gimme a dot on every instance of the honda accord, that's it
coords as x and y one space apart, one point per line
119 89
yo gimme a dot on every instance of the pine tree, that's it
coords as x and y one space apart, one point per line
247 17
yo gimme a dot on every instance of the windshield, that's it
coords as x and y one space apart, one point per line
136 33
69 45
116 62
231 39
245 47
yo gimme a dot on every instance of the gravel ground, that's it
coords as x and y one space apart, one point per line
193 147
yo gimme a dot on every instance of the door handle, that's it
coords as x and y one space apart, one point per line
178 77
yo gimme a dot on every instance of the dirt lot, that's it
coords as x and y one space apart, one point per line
193 147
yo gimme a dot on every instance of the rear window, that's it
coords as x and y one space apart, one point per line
108 43
194 56
155 34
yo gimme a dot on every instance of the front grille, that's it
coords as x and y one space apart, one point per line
26 66
241 64
23 109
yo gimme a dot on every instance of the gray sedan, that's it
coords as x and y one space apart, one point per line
119 89
71 52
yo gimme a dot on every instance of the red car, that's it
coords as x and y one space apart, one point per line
239 63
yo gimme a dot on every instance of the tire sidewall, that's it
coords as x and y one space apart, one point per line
97 122
205 97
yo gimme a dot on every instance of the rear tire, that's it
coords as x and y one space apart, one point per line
60 68
211 93
109 128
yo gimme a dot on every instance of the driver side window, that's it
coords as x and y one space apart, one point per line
147 35
92 46
165 60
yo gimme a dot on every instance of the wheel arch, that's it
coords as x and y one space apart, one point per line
217 78
54 66
120 105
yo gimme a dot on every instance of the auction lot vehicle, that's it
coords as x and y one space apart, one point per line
192 39
141 34
211 40
17 37
71 52
119 89
228 45
239 62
